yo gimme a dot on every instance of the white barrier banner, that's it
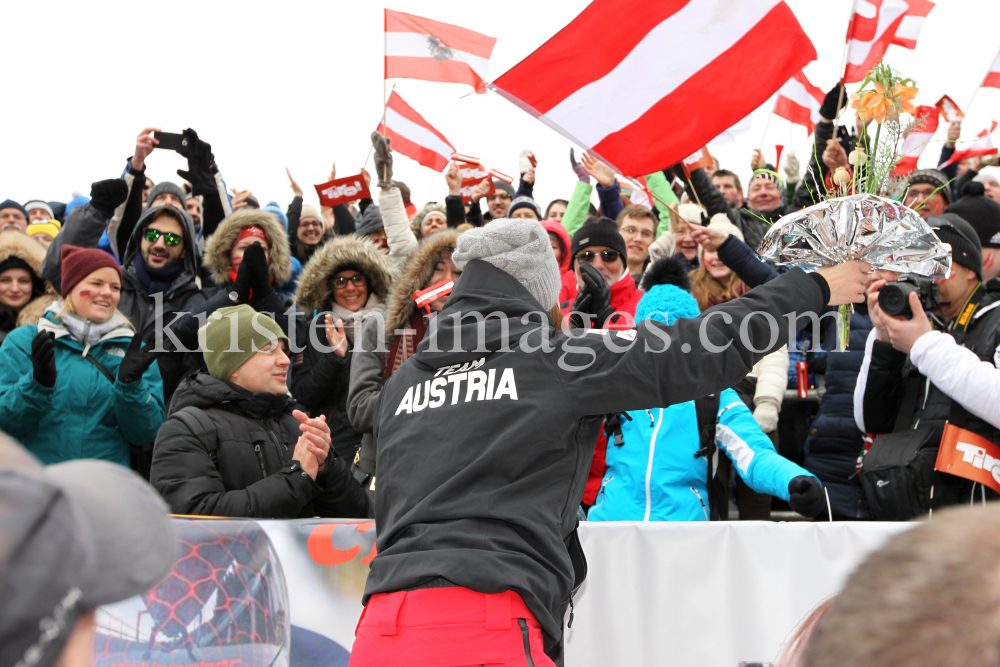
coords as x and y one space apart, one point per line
288 593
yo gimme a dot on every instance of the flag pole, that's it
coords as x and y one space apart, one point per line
767 124
843 73
384 108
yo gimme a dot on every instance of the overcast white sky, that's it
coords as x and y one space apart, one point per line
299 84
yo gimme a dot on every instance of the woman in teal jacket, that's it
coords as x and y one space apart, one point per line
654 475
78 384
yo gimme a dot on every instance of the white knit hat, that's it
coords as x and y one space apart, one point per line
519 247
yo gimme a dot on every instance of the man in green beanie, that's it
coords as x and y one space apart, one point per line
234 446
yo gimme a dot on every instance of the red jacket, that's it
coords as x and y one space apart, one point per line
556 228
624 299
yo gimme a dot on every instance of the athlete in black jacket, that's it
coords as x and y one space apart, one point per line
486 434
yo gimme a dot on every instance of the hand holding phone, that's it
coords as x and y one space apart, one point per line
170 141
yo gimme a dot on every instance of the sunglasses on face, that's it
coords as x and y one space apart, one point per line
153 235
607 256
340 282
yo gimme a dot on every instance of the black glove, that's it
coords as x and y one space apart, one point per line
108 195
241 286
829 109
137 360
383 159
201 164
806 496
43 358
593 299
260 280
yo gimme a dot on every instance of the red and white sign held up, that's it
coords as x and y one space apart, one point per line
472 176
699 158
343 190
949 110
746 49
965 454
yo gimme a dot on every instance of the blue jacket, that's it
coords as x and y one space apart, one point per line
654 476
84 416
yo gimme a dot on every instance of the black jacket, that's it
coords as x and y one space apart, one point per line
753 224
480 484
243 467
882 384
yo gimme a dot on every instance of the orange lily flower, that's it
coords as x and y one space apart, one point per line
904 96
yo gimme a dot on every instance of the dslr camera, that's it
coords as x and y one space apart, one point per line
894 298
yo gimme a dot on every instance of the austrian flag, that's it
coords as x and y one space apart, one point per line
652 90
413 136
799 102
917 140
875 25
992 79
419 48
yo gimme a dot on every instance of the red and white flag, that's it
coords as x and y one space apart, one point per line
701 66
992 79
917 140
799 102
949 110
875 25
419 48
413 136
983 145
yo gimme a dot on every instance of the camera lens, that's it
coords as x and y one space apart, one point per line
893 299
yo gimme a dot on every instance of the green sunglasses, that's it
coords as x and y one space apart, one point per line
153 235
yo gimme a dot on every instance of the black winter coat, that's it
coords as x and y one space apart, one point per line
320 383
834 442
239 463
483 456
753 224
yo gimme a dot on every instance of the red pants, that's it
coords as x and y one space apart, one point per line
447 627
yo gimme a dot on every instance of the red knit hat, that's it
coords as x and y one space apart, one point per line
78 263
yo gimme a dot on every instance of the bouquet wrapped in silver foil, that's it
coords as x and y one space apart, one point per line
864 227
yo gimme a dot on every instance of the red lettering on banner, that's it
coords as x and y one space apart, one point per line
965 454
343 190
471 177
322 551
699 158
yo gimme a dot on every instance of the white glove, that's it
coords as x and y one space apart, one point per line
664 246
523 163
791 168
766 415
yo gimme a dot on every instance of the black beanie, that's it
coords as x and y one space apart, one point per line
981 212
959 234
932 177
597 231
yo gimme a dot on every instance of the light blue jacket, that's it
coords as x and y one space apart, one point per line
654 475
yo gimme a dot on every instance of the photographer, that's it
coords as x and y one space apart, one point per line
909 386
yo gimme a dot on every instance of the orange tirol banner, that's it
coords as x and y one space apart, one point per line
965 454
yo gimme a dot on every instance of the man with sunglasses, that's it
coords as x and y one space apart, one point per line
611 303
159 266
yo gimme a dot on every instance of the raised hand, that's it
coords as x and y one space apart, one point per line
137 361
453 177
601 172
296 190
43 358
335 335
144 145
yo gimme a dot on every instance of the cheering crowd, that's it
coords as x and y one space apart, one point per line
234 353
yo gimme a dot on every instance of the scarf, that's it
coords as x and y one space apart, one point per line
354 319
87 332
156 280
405 345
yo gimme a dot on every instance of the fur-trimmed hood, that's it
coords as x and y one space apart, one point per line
31 252
418 270
221 243
313 291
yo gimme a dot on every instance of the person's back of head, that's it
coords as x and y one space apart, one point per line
929 597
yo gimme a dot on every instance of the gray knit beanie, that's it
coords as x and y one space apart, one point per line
166 187
519 247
